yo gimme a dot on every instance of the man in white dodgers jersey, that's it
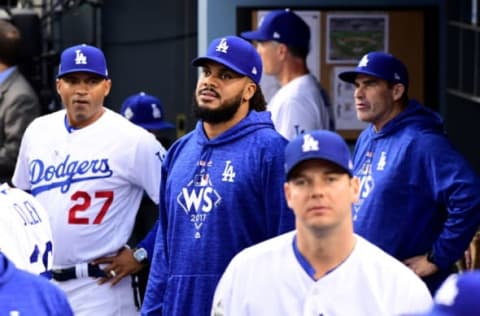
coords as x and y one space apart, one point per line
25 234
322 267
89 166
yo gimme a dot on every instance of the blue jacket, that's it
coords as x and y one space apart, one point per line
417 192
29 294
218 196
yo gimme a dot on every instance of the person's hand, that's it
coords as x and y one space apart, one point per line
119 266
421 266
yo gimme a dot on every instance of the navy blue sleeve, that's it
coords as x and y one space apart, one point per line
280 218
456 186
148 243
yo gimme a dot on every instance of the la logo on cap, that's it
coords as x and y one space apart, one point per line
80 58
363 62
261 21
222 46
309 143
156 111
128 113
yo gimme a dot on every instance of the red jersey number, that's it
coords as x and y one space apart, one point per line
84 200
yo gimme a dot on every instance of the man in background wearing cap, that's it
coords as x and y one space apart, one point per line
146 110
322 267
419 198
18 101
89 166
221 187
301 105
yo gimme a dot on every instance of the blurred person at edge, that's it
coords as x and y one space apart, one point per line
19 103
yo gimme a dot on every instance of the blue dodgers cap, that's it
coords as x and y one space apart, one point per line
83 58
459 295
146 111
381 65
319 144
283 26
235 53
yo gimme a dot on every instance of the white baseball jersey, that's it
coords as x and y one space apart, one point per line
269 279
90 180
299 107
25 234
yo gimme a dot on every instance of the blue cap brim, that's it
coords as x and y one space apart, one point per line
433 312
350 76
201 60
255 36
82 70
289 172
157 126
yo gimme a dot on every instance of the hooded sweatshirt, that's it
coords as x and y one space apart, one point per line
218 196
23 293
418 194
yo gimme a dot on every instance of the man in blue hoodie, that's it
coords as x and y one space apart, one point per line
222 185
419 198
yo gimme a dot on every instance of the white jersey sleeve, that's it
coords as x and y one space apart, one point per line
25 234
148 172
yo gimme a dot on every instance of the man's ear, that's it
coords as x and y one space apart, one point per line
282 50
398 90
355 182
286 190
249 91
108 87
57 84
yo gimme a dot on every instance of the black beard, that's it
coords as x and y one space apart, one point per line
224 113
